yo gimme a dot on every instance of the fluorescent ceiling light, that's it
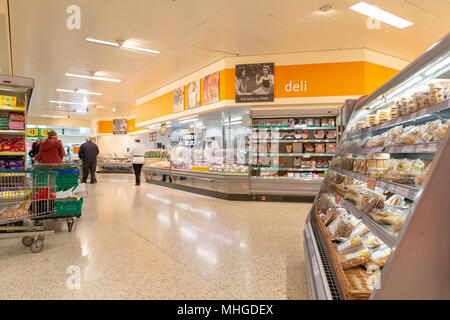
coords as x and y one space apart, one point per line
133 48
381 15
70 103
107 43
100 107
80 91
91 77
59 117
126 45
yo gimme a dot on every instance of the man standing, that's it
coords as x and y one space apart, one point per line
137 151
88 154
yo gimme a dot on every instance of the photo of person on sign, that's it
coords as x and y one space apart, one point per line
264 82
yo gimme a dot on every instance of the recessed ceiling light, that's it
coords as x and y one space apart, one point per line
91 77
100 107
80 91
59 106
381 15
126 45
70 103
113 109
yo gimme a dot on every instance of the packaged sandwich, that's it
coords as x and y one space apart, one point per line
417 165
395 200
369 200
389 215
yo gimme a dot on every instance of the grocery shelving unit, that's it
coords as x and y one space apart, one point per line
285 155
15 96
408 164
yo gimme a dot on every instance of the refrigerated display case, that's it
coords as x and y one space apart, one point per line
15 95
114 163
291 150
209 154
378 229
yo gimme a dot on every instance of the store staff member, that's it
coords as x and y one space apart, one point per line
137 151
88 154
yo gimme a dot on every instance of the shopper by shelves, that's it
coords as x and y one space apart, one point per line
51 150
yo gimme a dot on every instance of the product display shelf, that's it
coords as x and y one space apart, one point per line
295 154
416 103
437 107
296 140
288 169
380 231
15 109
408 192
405 148
286 178
293 129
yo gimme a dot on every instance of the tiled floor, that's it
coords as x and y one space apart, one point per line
150 242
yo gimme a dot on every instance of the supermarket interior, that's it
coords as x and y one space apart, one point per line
224 149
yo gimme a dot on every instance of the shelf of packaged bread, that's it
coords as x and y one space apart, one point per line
296 140
396 188
374 227
288 169
430 147
292 129
437 107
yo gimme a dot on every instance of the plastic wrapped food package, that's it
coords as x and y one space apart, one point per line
319 134
410 135
355 259
390 215
341 226
439 133
417 165
379 257
320 148
392 135
376 141
369 200
429 128
438 91
331 134
395 200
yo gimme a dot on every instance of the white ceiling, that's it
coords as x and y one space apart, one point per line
190 35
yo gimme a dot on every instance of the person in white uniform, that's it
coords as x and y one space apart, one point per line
137 151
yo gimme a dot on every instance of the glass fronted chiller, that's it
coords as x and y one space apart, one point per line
375 228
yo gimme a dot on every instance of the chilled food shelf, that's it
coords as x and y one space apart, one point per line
298 154
286 178
297 140
374 227
291 129
288 169
437 107
431 147
396 188
12 131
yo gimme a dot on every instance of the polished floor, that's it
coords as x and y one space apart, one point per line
151 242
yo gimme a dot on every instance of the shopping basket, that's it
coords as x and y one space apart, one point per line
26 194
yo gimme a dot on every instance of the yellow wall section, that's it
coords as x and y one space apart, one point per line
375 76
131 125
105 126
155 108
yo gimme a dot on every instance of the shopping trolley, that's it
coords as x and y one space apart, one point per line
25 195
67 178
